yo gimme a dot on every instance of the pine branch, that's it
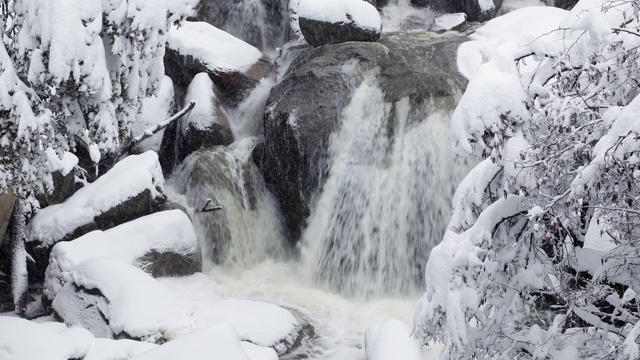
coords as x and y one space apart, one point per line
156 128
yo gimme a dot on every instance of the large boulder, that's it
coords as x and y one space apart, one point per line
116 300
134 187
338 21
234 66
161 244
304 110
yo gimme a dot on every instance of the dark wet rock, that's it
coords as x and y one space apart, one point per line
304 109
318 33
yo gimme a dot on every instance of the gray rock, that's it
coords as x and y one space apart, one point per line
470 7
303 110
318 33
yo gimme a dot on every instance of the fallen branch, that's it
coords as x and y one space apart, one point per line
206 208
156 128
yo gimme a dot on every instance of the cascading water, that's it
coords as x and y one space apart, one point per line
248 229
387 199
261 23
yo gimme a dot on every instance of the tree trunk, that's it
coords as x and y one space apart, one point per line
19 278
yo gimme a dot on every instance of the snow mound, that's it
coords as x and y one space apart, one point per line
110 297
107 349
359 12
216 342
390 339
141 243
127 179
248 318
218 50
25 340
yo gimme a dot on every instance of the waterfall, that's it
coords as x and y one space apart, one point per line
248 228
261 23
387 199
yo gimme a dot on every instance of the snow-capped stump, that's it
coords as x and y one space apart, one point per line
24 339
390 339
338 21
206 125
113 299
134 187
161 244
215 342
233 65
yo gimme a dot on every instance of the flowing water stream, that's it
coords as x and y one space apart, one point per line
383 206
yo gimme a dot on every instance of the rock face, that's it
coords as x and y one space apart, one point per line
161 244
303 111
476 10
134 187
336 22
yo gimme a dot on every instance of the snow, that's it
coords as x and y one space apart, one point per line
26 340
107 349
126 179
154 109
390 339
216 342
363 14
256 352
218 50
206 111
65 164
166 231
142 307
248 319
136 304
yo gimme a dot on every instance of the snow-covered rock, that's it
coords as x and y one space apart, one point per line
206 125
215 342
161 244
233 65
24 340
134 187
448 22
338 21
113 299
390 339
304 109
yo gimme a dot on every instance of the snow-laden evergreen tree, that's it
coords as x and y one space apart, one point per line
541 258
72 69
